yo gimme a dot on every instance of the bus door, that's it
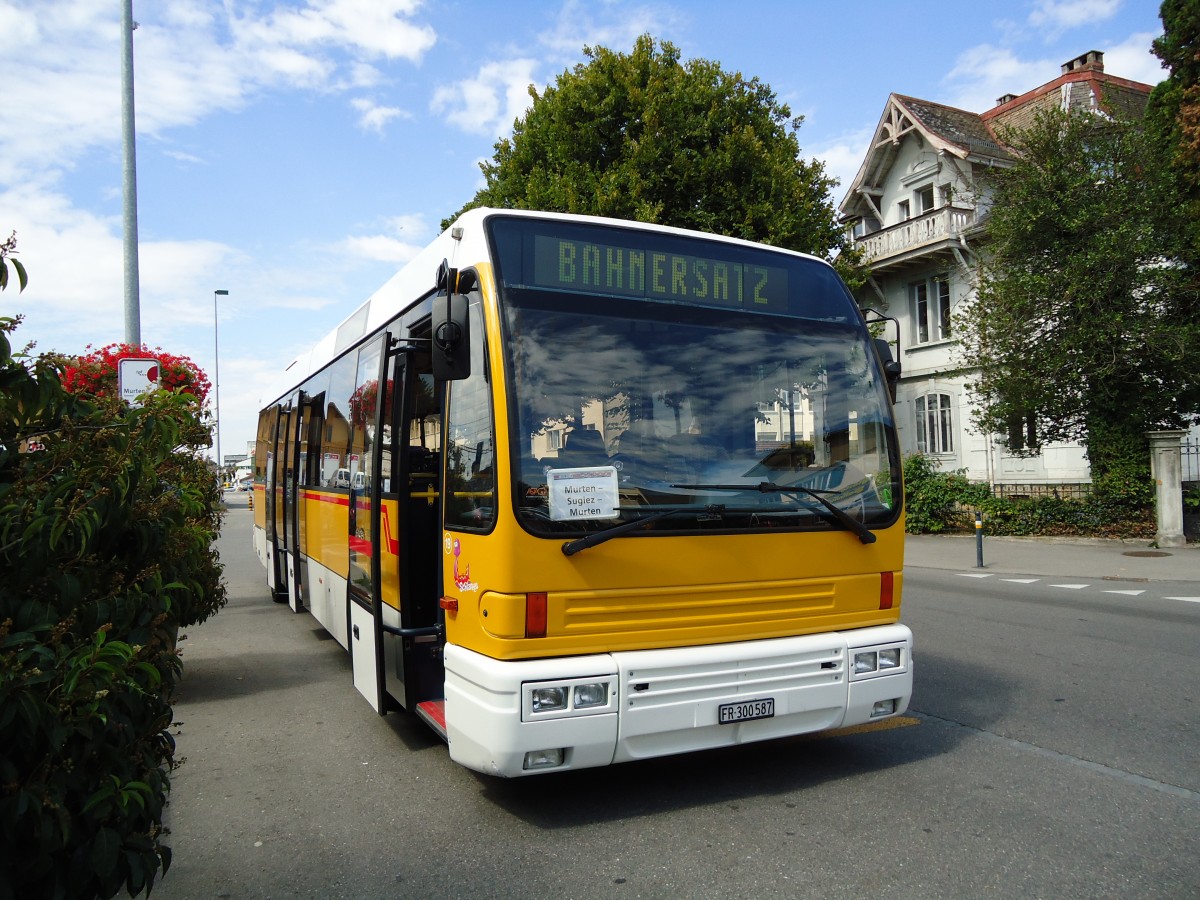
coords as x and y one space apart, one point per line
371 528
415 673
281 510
267 434
273 500
312 411
297 458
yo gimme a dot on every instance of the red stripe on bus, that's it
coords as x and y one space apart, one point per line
338 499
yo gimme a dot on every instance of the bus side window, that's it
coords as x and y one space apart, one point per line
471 450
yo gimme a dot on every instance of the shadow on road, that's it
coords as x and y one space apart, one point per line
780 767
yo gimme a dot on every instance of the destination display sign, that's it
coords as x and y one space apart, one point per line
663 275
583 493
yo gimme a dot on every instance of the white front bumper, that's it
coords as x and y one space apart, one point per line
666 701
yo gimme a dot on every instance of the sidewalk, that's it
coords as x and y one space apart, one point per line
1084 558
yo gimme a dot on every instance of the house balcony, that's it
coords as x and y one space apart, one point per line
916 240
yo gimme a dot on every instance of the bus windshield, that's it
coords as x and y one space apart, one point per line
712 386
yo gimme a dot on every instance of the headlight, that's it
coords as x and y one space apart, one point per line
595 694
570 697
543 759
866 661
546 699
883 708
878 662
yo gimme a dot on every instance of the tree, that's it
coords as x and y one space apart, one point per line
1173 115
1086 324
644 137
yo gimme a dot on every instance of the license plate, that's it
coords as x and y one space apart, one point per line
727 713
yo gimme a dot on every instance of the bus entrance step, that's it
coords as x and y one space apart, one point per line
434 714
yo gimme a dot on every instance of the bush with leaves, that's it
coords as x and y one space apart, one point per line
106 528
939 502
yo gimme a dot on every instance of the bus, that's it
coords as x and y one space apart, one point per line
579 491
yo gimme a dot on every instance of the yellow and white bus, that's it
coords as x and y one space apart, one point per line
579 491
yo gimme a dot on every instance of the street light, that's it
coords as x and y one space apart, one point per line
217 383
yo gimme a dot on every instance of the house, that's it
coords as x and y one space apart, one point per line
918 210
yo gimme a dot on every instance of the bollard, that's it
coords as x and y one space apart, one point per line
978 539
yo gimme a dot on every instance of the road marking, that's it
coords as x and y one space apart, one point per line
881 725
1071 587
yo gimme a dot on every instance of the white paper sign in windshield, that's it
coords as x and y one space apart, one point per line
583 493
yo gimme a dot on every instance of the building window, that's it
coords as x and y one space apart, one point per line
925 199
935 433
904 210
931 310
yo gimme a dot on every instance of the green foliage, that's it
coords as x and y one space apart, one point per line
1120 456
1087 317
646 138
936 501
939 502
1173 115
106 526
8 249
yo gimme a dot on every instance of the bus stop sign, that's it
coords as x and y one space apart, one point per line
135 377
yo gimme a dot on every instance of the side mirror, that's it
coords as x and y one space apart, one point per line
891 367
451 337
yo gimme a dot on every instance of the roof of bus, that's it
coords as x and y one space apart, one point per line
461 245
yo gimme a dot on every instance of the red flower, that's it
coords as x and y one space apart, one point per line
95 373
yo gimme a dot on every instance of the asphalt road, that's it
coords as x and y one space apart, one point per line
1052 752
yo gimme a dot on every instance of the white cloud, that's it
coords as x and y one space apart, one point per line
62 66
364 75
1061 15
1132 59
577 26
402 238
984 73
491 100
381 248
75 262
376 27
373 117
183 157
843 156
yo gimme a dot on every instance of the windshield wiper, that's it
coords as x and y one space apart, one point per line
710 513
865 534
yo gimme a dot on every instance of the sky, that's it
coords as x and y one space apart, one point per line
296 153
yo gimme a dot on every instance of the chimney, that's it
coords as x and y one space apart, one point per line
1092 61
1000 101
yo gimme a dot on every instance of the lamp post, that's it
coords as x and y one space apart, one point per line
133 313
217 383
